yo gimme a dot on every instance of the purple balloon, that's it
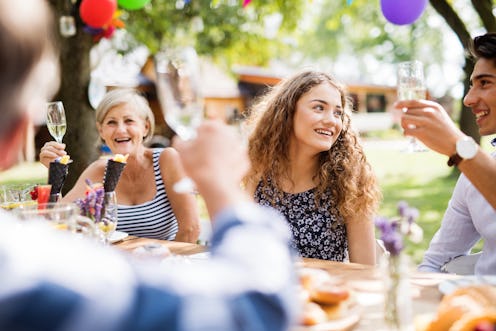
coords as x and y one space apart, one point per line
402 12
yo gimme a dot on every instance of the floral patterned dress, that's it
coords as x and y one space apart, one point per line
318 231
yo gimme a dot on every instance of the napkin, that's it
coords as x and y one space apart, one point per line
112 174
57 173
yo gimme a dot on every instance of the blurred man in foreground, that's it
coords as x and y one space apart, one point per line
50 280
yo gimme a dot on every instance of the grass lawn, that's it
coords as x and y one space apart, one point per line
422 179
29 172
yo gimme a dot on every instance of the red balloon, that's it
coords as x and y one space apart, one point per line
97 13
402 12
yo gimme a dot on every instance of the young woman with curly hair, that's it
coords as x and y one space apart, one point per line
308 163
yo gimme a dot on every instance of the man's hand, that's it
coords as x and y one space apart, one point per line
217 161
429 122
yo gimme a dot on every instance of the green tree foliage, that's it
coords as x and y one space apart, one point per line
223 29
361 30
215 28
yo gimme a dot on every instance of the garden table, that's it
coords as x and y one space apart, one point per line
366 282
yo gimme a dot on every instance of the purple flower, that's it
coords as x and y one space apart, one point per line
409 213
91 206
393 230
98 203
393 241
402 208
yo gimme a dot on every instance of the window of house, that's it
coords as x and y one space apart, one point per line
354 100
376 103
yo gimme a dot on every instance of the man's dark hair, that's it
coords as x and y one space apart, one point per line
484 46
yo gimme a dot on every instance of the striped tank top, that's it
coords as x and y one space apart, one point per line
152 219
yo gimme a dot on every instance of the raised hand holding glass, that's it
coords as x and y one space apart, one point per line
178 88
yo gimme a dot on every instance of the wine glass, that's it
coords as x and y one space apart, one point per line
178 88
15 195
411 86
56 122
61 216
108 221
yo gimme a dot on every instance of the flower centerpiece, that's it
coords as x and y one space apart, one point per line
100 202
92 204
94 207
397 300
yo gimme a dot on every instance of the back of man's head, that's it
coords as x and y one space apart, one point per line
28 70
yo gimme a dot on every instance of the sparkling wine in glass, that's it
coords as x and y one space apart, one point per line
178 88
411 86
56 122
109 219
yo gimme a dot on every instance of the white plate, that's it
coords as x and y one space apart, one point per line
449 285
350 318
117 236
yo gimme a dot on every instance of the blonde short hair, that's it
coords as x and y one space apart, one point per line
131 97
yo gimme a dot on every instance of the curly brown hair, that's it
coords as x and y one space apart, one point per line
344 170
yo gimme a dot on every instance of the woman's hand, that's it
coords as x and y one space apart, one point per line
50 151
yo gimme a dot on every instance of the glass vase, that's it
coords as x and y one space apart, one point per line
397 294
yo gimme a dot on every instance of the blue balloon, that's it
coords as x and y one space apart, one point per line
402 12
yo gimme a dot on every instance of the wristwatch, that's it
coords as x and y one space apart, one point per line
466 148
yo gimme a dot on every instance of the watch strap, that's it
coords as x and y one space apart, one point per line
454 160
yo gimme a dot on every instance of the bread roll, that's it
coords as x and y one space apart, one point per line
323 296
471 322
335 311
329 293
310 277
473 300
312 314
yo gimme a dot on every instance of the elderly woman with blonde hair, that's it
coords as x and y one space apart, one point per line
147 204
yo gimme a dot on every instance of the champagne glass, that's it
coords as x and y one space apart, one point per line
178 88
56 120
411 86
108 222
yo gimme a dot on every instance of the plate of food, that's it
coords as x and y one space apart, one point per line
117 236
449 285
328 303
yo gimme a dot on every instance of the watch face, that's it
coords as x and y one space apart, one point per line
466 148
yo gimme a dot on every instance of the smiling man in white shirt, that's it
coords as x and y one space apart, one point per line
471 213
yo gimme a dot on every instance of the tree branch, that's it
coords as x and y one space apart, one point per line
453 20
485 10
